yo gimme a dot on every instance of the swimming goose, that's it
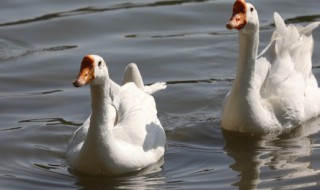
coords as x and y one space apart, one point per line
123 133
275 91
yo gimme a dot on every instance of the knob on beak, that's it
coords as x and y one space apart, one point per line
239 17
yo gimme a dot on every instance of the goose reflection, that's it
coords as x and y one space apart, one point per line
274 160
143 179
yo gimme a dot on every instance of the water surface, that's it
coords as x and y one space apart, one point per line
182 42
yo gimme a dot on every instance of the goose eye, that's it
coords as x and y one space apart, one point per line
251 9
99 63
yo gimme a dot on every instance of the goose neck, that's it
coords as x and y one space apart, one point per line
99 104
248 45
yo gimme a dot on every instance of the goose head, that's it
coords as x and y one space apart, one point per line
93 71
244 17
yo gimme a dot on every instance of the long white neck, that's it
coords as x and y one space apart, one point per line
248 45
99 104
244 89
245 110
99 124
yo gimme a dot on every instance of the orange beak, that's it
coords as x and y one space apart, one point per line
86 74
239 18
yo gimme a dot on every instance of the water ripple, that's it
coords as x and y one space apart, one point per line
210 80
178 35
11 49
89 10
299 19
10 95
51 121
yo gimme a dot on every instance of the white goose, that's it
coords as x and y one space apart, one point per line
123 133
276 90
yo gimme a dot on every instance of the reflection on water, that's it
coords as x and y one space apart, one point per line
144 179
259 158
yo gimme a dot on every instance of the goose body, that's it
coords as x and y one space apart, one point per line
123 133
275 90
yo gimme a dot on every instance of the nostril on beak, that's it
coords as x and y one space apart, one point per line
77 83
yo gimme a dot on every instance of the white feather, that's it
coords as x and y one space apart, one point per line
125 136
280 90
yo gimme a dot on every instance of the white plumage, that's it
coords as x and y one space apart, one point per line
276 90
123 133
